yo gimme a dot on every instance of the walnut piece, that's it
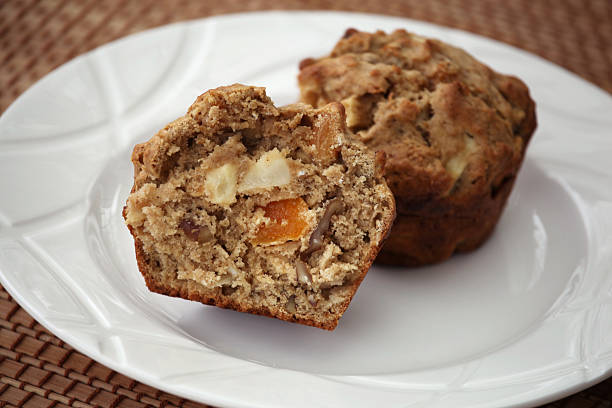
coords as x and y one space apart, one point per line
290 305
302 274
316 238
196 232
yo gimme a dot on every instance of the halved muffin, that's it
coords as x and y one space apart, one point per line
273 211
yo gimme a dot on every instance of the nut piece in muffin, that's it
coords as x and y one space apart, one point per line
266 210
455 133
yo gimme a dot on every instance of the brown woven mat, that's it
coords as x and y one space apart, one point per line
39 370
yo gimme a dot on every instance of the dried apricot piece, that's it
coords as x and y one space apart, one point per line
288 222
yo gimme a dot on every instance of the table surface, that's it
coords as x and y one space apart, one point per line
39 370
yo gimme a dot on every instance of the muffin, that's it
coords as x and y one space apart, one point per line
265 210
454 131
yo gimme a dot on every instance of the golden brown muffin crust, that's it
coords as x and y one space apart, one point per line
455 133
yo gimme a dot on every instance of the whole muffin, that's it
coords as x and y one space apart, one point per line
454 131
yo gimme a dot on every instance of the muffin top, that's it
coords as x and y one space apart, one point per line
453 129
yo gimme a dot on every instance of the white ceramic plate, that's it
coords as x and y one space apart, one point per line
524 320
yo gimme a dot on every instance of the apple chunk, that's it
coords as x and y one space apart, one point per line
271 170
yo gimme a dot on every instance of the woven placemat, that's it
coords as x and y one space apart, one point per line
39 370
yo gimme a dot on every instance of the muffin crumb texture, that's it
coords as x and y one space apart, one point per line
273 211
